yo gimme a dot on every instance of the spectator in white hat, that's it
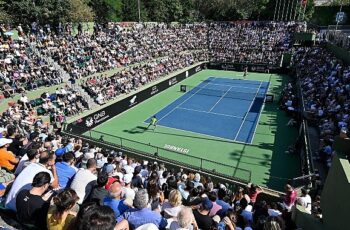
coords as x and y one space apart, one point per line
7 159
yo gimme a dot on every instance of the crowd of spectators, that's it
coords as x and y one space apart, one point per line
56 182
119 45
325 82
21 69
103 88
251 42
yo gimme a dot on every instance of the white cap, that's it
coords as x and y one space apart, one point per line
5 141
127 178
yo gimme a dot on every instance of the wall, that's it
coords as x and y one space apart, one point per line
339 52
335 201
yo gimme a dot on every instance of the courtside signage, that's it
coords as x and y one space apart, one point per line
89 122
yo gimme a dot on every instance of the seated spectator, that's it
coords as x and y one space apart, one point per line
33 205
30 157
98 217
7 159
65 171
201 215
6 179
185 220
99 192
82 180
216 207
25 178
141 215
114 200
60 215
172 207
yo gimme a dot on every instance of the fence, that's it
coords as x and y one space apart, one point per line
303 144
197 163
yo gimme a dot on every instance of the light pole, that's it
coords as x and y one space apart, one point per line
139 9
338 17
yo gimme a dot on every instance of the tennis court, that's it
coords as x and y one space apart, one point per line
218 107
264 156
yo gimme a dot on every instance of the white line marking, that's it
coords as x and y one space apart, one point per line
220 114
261 110
245 116
182 102
215 137
220 99
234 86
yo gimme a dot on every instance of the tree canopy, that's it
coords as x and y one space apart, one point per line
54 11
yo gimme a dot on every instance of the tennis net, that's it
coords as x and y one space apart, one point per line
234 94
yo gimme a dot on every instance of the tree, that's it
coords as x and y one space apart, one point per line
156 10
189 11
174 10
80 11
107 10
130 11
4 16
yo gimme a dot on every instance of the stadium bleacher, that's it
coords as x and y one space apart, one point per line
50 180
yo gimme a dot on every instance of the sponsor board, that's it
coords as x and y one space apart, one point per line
172 81
154 90
96 118
89 122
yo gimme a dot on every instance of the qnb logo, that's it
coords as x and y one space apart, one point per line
89 122
198 69
133 101
99 115
154 90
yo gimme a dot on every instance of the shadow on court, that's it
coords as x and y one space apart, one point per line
137 130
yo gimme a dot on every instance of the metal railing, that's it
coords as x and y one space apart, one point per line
194 162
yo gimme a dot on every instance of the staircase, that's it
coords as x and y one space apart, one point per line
65 77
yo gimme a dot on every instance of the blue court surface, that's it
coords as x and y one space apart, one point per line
218 107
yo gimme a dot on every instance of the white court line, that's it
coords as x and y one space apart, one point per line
261 110
219 114
182 102
233 86
220 99
215 138
245 116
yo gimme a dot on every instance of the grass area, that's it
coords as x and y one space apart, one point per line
265 158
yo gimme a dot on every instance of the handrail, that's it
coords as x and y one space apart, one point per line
202 163
179 164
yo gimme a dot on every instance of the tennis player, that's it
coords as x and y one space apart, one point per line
245 72
153 122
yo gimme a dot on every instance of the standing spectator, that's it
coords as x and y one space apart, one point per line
33 205
254 191
290 198
82 180
305 200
